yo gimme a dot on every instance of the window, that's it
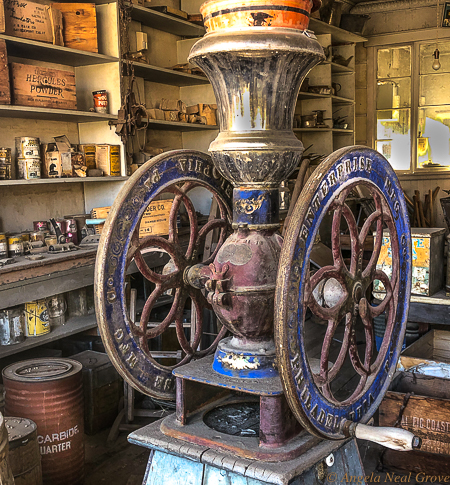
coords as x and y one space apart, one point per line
410 92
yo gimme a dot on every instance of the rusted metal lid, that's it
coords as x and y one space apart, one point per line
41 370
19 430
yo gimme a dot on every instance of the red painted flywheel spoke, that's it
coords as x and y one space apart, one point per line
371 266
162 244
337 366
159 329
215 224
353 352
367 320
354 238
336 239
379 309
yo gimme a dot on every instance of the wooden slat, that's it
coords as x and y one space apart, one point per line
5 89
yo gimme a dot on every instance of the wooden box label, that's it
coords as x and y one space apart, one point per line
155 221
43 87
33 21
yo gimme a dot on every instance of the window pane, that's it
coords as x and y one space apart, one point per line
433 148
426 57
394 137
434 89
394 62
394 93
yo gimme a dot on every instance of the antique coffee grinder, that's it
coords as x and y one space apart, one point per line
259 406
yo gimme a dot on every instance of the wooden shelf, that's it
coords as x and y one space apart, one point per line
340 131
311 130
31 112
340 36
179 126
340 100
41 51
339 69
164 22
305 95
62 180
167 76
72 326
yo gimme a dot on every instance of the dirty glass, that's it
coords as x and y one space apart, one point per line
394 62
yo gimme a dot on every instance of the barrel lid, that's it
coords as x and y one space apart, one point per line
18 428
45 369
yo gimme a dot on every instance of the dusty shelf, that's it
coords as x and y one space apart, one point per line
40 51
339 35
164 22
62 180
31 112
179 126
163 75
72 326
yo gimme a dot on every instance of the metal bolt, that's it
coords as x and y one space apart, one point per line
329 460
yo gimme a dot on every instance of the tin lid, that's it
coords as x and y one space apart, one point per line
45 369
18 429
101 91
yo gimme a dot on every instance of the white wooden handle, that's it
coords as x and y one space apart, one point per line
394 438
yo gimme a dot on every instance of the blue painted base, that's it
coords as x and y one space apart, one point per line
252 364
176 462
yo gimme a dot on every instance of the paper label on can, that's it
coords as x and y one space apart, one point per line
29 168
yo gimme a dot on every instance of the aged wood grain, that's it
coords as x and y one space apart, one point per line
33 21
80 25
5 89
426 417
417 463
43 87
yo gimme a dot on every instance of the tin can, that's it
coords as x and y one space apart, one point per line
70 230
3 246
100 101
37 236
5 164
50 392
6 476
36 318
27 147
51 240
25 236
24 456
12 327
29 168
40 225
15 245
57 307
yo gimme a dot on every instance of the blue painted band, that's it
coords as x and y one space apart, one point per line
244 365
256 206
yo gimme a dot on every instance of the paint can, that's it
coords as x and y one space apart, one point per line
5 164
37 236
50 392
15 245
12 326
51 240
3 245
28 147
56 306
40 226
71 230
29 168
6 476
100 101
24 457
36 319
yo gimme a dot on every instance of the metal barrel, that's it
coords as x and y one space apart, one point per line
24 456
6 476
50 392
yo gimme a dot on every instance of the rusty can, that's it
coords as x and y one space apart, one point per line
12 326
15 245
50 392
27 147
29 168
6 476
37 236
36 318
51 240
3 245
24 457
100 101
25 236
5 164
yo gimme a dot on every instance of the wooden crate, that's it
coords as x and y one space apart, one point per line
427 415
33 21
5 89
432 347
80 25
43 87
